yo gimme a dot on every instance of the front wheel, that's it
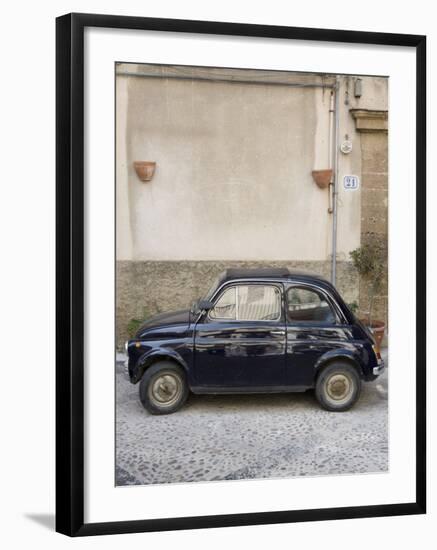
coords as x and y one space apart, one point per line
163 388
338 387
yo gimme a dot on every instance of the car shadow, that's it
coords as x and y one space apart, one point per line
284 401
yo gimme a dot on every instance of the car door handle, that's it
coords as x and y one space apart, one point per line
277 332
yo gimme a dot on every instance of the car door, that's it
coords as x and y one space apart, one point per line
315 326
240 343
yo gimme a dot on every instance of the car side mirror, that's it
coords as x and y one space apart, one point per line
205 305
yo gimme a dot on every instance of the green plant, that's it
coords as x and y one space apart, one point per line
353 306
134 324
370 261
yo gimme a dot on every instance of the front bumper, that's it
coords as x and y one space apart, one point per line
379 369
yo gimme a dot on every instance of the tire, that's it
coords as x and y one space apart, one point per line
338 387
163 388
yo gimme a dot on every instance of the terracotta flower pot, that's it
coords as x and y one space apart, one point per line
378 330
322 177
145 169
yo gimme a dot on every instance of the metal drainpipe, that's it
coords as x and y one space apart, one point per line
335 183
331 147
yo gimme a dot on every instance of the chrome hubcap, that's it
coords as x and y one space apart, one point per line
339 387
165 389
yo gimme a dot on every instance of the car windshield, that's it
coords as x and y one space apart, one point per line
212 288
208 295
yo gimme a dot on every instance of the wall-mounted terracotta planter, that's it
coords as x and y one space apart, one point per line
322 177
145 169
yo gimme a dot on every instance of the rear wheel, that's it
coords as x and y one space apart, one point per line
163 388
338 387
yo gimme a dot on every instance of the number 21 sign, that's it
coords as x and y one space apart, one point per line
351 183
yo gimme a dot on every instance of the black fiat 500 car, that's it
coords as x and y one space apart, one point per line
255 331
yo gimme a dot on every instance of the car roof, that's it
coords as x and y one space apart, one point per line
270 273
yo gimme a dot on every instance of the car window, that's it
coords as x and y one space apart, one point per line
226 306
249 303
308 306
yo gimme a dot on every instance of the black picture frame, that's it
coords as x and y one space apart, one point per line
70 273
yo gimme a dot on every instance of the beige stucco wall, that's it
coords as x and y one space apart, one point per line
233 177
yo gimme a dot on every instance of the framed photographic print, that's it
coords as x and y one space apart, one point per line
240 274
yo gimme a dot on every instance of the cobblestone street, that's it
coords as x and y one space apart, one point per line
249 436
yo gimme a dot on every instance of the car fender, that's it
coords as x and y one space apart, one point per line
150 357
339 354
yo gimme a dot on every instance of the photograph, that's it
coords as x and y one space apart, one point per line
251 274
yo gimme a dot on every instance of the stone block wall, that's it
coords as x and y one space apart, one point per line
372 126
144 288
